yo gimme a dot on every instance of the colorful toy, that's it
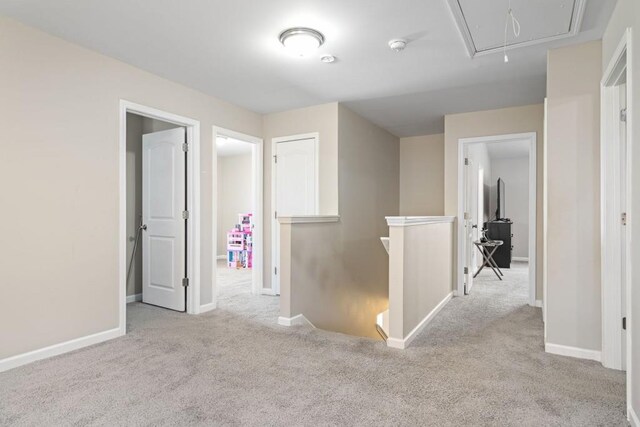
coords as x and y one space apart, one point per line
240 243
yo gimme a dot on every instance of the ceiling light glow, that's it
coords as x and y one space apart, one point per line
300 41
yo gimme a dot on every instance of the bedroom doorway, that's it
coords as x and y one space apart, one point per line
497 203
238 214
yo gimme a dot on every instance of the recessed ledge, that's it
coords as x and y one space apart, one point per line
308 219
405 221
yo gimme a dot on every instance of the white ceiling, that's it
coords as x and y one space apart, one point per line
508 150
227 147
230 49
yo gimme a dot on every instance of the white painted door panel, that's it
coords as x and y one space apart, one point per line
164 240
296 186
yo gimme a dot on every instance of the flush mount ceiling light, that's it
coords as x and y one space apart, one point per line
397 45
301 41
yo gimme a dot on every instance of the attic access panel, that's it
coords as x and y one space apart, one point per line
481 23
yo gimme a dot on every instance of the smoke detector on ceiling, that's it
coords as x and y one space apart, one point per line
397 45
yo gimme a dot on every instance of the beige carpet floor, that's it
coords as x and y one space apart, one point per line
480 362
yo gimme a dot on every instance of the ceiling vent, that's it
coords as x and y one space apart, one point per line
481 23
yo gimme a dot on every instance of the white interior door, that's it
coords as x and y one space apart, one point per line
295 187
164 201
468 223
623 210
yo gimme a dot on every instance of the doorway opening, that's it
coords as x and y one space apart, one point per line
497 204
159 253
238 211
616 218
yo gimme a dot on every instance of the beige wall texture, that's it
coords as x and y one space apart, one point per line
234 194
339 271
422 175
67 167
321 119
421 273
573 199
627 15
529 118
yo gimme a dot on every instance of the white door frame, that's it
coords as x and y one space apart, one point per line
462 144
257 198
610 220
275 225
193 203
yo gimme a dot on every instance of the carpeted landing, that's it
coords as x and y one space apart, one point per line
480 362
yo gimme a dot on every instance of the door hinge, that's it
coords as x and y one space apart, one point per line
466 270
466 161
275 214
185 214
185 147
623 115
275 159
623 218
624 323
185 282
275 270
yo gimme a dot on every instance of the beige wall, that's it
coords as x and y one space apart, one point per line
529 118
234 194
322 119
63 259
573 198
421 273
627 15
422 175
339 271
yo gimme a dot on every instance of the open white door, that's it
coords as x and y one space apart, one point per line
163 207
295 186
468 224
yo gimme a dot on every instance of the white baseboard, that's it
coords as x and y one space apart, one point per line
538 303
295 320
268 291
579 353
208 307
56 349
221 257
404 343
632 416
455 293
134 298
520 259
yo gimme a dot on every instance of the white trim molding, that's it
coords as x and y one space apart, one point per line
404 343
300 319
465 33
520 259
632 416
463 143
539 303
208 307
134 298
405 221
57 349
308 219
578 353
